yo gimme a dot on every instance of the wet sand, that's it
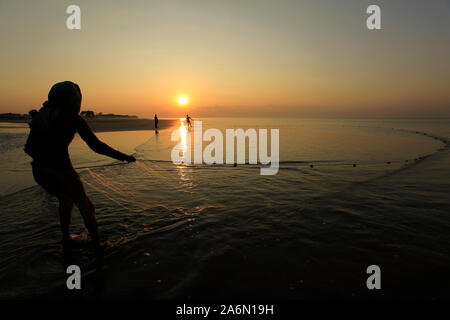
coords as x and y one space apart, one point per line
106 125
116 124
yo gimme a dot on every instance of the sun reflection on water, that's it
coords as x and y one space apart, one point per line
183 135
185 179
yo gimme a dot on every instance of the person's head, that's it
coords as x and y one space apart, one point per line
33 113
65 95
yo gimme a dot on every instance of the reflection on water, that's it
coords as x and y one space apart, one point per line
183 231
181 152
184 151
184 138
301 140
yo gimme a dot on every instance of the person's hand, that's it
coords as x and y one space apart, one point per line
130 159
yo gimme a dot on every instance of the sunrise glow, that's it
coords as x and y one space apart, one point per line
182 100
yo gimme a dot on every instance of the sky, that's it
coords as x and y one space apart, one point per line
257 58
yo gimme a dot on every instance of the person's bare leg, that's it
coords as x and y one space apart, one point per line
87 211
65 213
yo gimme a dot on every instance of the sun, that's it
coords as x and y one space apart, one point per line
182 100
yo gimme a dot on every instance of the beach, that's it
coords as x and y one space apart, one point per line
107 124
242 158
376 194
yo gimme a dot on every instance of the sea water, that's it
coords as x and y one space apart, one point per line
349 193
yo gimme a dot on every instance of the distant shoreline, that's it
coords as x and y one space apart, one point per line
116 124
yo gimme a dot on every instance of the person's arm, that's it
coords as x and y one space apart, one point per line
98 146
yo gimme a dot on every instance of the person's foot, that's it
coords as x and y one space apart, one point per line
73 241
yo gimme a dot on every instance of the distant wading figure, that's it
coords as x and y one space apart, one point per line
188 121
156 123
52 130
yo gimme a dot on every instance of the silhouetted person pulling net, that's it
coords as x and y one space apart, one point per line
52 130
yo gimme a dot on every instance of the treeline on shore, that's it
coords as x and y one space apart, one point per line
86 114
